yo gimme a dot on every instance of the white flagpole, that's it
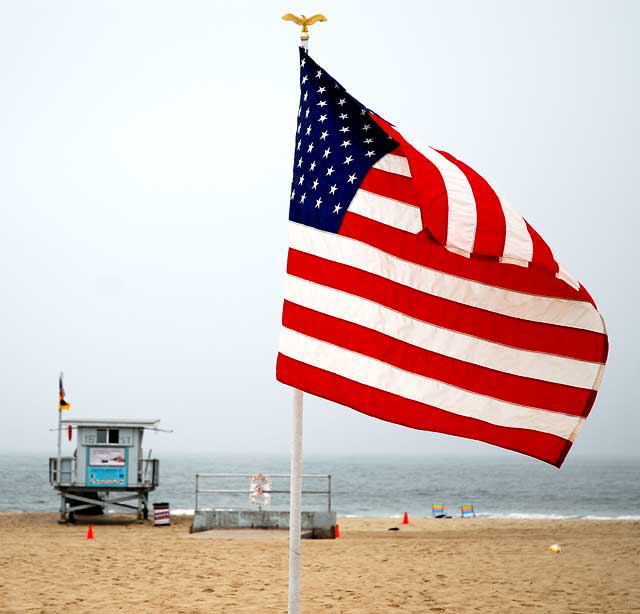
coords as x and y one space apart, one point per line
295 488
295 511
59 460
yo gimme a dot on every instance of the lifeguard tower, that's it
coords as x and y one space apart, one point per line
108 469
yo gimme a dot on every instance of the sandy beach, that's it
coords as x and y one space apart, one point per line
450 566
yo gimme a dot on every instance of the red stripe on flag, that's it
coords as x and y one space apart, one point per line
542 254
514 332
420 249
397 409
390 185
491 227
482 380
430 190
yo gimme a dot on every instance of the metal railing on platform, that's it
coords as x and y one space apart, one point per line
247 491
149 471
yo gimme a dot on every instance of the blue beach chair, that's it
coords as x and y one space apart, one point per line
437 510
467 511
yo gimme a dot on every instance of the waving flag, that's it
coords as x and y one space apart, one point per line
417 295
62 404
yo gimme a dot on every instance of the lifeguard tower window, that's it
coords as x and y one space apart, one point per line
108 436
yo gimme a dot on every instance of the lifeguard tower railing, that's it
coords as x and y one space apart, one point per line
227 496
148 472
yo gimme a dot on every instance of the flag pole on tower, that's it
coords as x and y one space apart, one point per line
62 405
59 459
295 502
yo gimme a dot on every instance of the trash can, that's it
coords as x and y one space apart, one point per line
161 517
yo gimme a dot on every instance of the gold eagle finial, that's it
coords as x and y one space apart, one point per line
304 22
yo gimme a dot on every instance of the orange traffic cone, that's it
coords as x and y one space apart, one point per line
337 531
90 532
405 520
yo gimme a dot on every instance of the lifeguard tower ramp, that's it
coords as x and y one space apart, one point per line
108 470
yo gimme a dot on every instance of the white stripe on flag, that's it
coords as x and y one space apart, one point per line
387 210
463 216
565 276
372 372
391 163
546 367
517 240
515 261
344 250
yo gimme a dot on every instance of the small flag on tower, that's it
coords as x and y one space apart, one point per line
417 295
62 404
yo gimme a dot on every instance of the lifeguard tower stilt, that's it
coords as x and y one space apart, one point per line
108 470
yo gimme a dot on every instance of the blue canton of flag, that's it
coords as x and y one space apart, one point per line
337 143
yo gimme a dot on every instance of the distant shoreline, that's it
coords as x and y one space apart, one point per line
518 518
369 488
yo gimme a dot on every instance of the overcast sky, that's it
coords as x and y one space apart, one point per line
145 163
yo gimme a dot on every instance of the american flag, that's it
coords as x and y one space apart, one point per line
417 295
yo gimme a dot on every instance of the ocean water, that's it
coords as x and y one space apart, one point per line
375 486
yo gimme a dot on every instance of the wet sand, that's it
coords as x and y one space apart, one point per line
451 566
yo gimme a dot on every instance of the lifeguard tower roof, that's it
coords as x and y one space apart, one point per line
131 423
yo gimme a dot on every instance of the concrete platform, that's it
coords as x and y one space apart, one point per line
319 525
240 534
